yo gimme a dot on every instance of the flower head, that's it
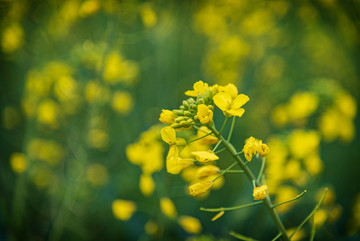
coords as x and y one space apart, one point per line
190 224
259 193
204 114
199 88
200 188
230 106
123 209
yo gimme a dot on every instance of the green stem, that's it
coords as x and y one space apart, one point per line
221 150
199 138
223 126
234 171
241 237
225 171
230 208
240 152
313 229
312 213
216 146
232 128
250 175
261 169
295 198
276 237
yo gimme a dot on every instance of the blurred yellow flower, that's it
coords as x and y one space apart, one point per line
167 207
285 193
204 113
298 236
302 105
320 217
119 70
167 117
147 184
259 193
151 227
200 188
230 107
205 156
207 170
45 150
314 165
123 209
89 8
18 162
49 113
190 224
122 102
98 138
303 142
97 174
95 92
12 38
148 15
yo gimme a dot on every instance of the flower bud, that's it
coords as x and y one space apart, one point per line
263 150
200 188
167 117
259 193
178 112
207 170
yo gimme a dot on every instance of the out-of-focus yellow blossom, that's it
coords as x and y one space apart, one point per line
11 117
259 193
302 143
302 105
148 15
190 224
330 196
65 16
65 88
146 184
279 115
346 104
167 117
205 156
293 171
200 188
122 102
174 163
119 70
258 22
95 92
45 150
167 207
12 38
230 107
199 88
18 162
189 174
207 170
151 227
298 236
207 140
320 217
314 165
49 113
123 209
88 8
217 216
98 138
204 114
42 177
285 193
97 175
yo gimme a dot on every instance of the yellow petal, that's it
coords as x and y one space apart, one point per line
168 135
172 159
239 101
222 100
236 112
191 93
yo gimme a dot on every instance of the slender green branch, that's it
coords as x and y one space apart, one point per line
230 208
261 169
312 213
276 237
293 199
234 171
221 150
216 146
267 202
240 152
199 138
313 229
223 126
232 128
241 237
225 171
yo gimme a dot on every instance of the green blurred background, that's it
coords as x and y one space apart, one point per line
81 80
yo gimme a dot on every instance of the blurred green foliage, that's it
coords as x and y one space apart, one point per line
81 80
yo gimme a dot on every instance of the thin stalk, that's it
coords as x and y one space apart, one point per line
230 208
293 199
261 169
216 146
199 138
225 171
232 128
221 150
234 171
241 237
250 175
276 237
312 213
240 152
223 125
313 229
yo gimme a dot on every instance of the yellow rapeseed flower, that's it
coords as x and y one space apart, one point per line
230 106
205 156
146 184
167 207
122 102
18 162
199 88
123 209
263 149
204 114
168 135
167 117
207 170
190 224
200 188
259 193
